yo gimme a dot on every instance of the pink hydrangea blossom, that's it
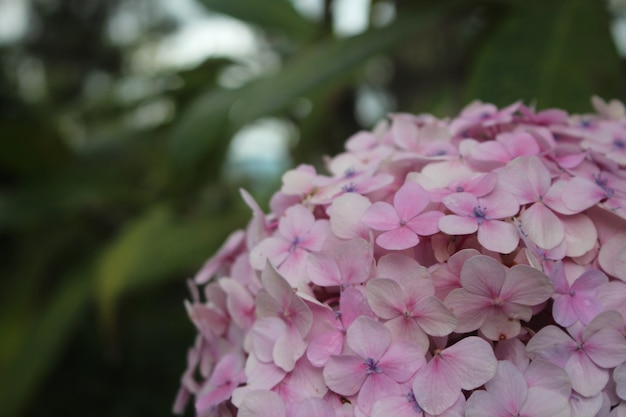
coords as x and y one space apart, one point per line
470 266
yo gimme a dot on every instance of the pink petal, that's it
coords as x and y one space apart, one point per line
483 275
458 225
483 404
261 403
345 374
542 226
579 194
425 224
580 234
322 269
385 297
586 377
471 310
498 236
346 212
393 406
606 348
289 347
499 326
314 407
473 359
552 344
499 204
401 360
323 346
563 310
317 235
296 222
368 338
273 248
403 328
436 386
526 285
398 239
381 216
508 387
433 316
355 260
375 387
410 200
461 203
544 403
265 332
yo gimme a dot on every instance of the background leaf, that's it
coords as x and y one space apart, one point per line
557 54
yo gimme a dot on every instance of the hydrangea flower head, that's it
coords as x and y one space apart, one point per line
471 266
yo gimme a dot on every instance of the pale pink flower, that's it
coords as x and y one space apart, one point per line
508 394
406 406
403 222
495 299
377 366
284 320
298 234
226 376
483 215
467 364
578 301
411 309
586 353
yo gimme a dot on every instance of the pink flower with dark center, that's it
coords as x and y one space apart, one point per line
298 234
495 299
483 215
578 301
377 366
403 222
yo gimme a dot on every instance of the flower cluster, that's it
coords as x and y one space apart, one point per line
466 267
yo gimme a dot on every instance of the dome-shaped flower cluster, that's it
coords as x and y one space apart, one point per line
466 267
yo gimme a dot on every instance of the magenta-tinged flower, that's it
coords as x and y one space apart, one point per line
508 394
298 234
467 364
226 376
587 353
412 310
578 301
495 299
377 366
284 321
404 222
483 215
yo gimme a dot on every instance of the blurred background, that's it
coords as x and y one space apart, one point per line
128 126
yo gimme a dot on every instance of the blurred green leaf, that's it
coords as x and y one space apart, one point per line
155 247
44 341
269 14
558 53
326 62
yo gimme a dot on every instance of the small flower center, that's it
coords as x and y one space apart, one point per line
349 188
619 144
572 293
372 366
480 213
603 183
350 172
497 301
295 242
411 398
